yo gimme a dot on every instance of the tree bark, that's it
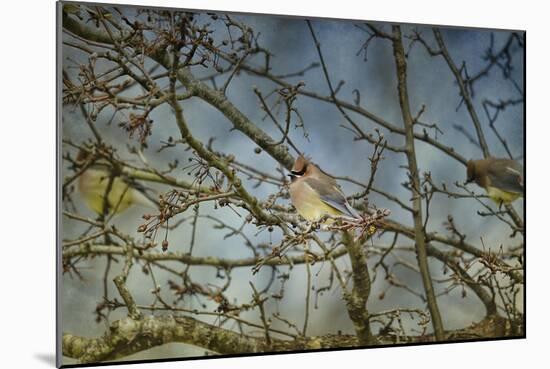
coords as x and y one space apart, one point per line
419 236
128 336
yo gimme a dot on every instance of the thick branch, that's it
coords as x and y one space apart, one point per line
240 122
120 283
212 261
420 240
252 202
356 300
128 336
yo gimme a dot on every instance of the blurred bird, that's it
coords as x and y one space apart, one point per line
96 180
501 178
315 194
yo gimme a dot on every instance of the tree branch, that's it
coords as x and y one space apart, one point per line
464 93
128 336
420 240
214 97
357 299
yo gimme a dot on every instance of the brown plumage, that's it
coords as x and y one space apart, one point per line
501 178
315 194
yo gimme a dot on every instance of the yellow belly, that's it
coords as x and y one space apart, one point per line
309 205
499 196
93 185
315 210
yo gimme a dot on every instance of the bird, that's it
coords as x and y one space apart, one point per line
315 194
501 178
99 178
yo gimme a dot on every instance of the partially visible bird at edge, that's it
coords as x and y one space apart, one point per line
502 179
123 193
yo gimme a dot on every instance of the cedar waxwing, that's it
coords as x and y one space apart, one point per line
315 194
501 178
94 182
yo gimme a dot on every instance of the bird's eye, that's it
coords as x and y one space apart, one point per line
299 173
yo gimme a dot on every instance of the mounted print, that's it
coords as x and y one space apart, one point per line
242 184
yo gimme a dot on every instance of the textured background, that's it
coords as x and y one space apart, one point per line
331 146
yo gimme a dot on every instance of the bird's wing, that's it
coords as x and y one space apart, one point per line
506 175
331 195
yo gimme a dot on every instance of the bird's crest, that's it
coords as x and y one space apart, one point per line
300 166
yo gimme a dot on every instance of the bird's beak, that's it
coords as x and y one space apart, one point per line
291 175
